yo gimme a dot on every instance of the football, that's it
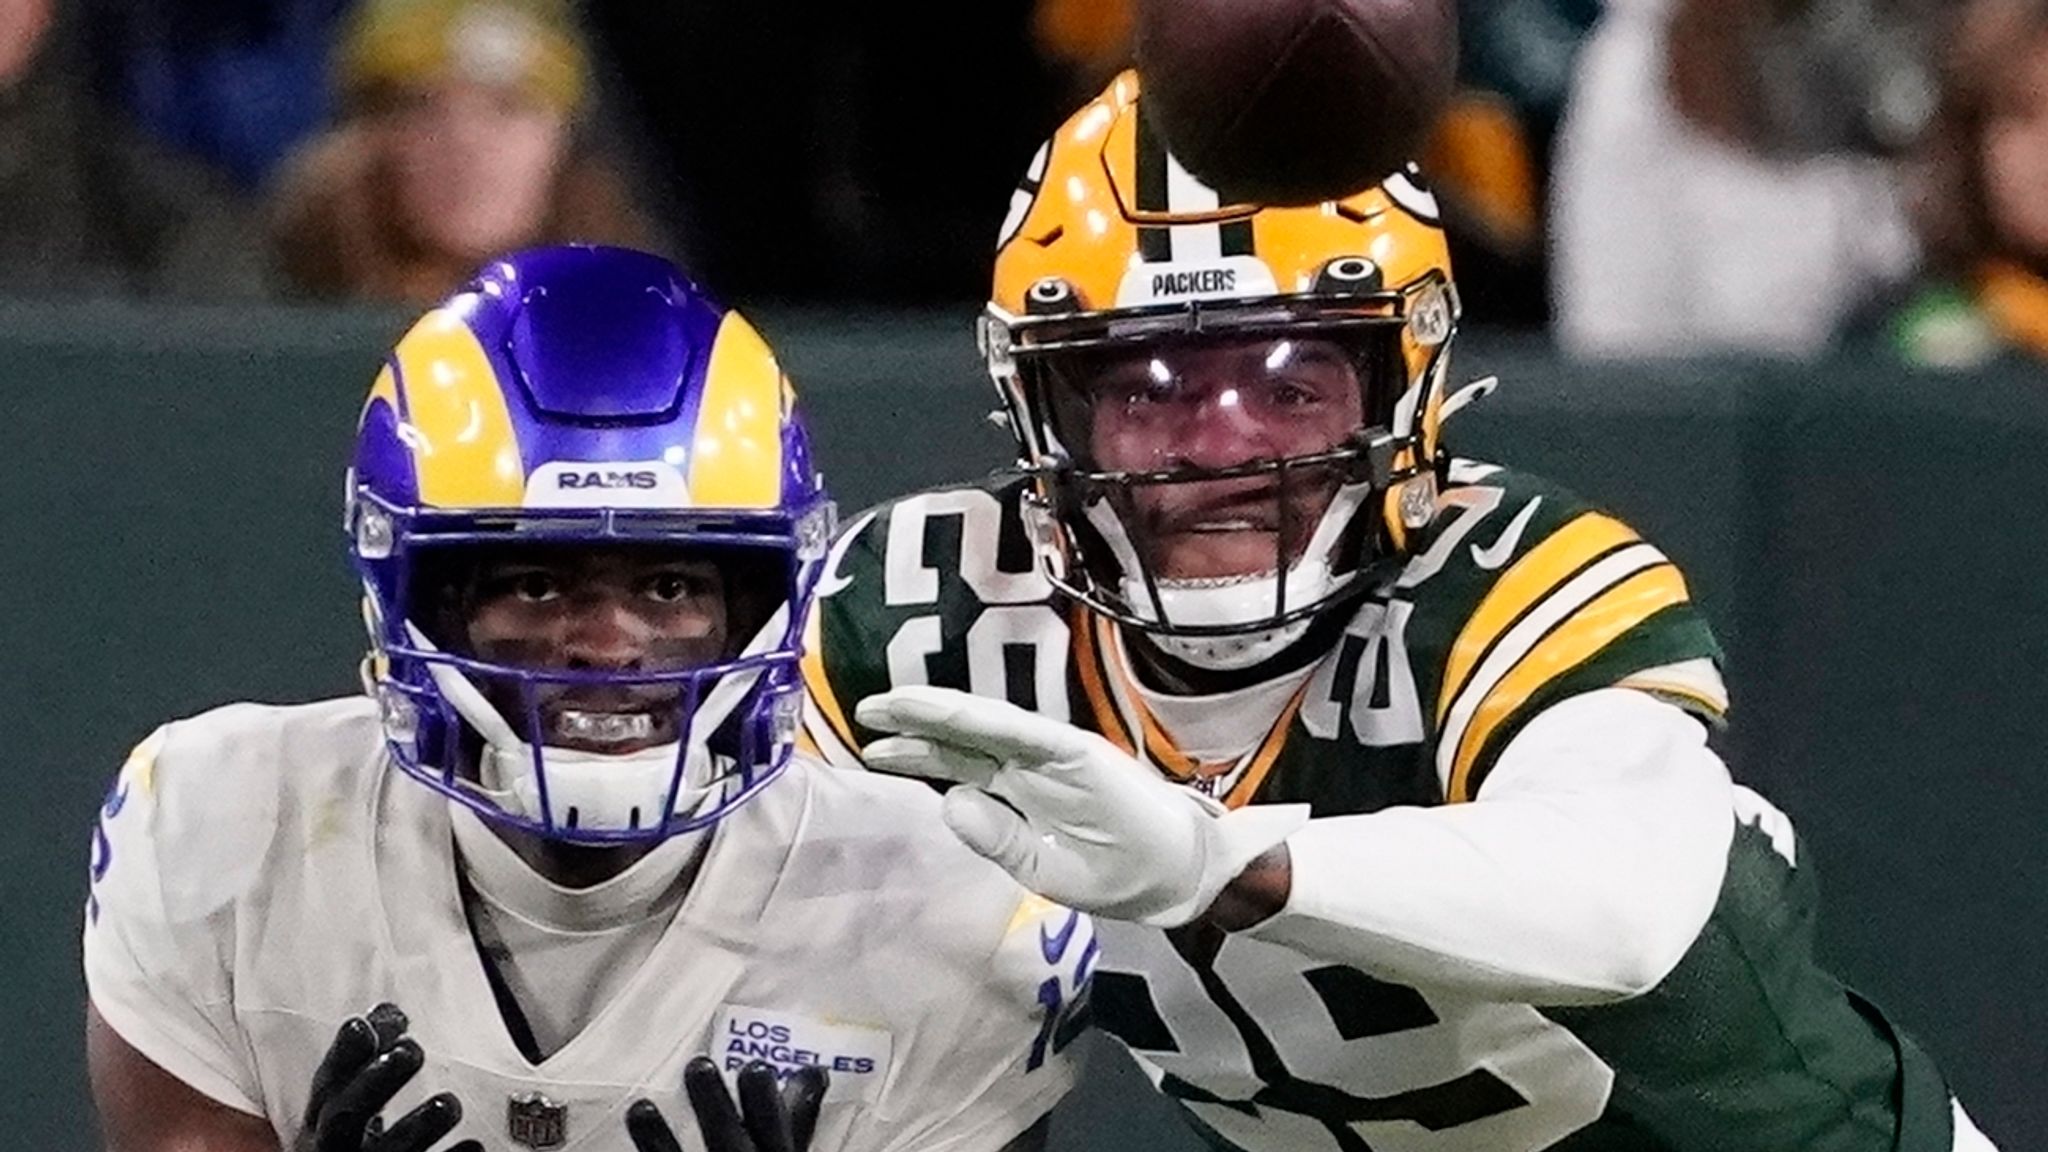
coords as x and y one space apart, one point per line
1290 102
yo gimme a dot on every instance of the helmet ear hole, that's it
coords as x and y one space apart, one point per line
1350 276
1049 295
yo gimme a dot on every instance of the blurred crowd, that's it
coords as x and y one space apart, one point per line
1641 178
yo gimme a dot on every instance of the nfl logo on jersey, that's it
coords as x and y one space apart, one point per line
536 1121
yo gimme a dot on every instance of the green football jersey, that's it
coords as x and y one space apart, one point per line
1520 595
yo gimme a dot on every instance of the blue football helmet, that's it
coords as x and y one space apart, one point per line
583 396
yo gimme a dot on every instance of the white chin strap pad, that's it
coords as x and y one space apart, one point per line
589 791
1230 653
595 791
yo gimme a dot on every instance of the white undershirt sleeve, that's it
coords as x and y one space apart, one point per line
1580 874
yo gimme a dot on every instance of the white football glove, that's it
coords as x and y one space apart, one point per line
1068 814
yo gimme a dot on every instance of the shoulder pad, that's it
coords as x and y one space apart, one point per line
905 583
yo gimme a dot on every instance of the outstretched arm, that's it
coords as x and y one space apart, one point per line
1582 871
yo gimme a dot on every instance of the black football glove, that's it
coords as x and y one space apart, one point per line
370 1060
770 1117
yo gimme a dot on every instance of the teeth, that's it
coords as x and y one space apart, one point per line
604 727
1196 583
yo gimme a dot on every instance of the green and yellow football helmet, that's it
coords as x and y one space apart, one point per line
1136 317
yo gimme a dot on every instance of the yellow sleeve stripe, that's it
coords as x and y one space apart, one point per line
1528 581
1524 634
823 700
1573 642
1031 908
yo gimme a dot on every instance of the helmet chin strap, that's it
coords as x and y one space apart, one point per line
1237 599
599 791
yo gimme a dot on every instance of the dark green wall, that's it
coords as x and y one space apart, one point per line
1871 544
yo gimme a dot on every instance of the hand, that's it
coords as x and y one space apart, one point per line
771 1117
1066 812
370 1060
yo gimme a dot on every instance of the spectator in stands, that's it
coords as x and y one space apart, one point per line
87 204
1983 199
1489 156
459 139
234 84
1726 177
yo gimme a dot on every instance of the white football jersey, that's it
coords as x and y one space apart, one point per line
261 874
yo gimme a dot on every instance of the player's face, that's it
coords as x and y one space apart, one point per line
1221 405
605 610
472 166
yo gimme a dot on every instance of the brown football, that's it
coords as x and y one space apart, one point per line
1294 101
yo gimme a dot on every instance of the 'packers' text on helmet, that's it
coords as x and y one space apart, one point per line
585 398
1230 410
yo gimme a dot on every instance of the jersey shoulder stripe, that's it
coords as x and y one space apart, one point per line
1532 578
825 731
1541 595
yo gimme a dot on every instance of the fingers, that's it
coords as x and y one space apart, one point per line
773 1114
993 829
802 1095
355 1043
717 1117
346 1118
762 1109
419 1129
917 756
649 1128
389 1022
998 728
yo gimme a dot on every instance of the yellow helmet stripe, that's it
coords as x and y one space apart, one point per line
1532 578
736 453
385 388
456 421
1572 643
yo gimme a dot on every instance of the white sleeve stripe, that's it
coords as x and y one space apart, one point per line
162 1047
1527 632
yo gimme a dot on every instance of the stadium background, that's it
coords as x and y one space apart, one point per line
1866 535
